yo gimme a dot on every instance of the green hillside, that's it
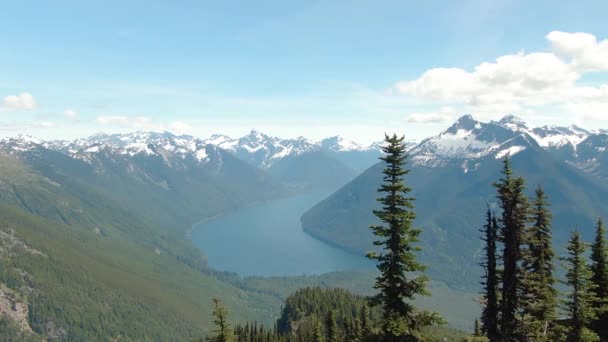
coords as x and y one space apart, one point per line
91 285
450 205
101 270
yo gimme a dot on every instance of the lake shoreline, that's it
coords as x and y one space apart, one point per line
273 233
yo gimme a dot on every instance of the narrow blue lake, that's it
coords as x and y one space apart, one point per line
268 240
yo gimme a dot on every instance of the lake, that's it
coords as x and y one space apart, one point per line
267 240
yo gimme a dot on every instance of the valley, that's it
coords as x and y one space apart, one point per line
278 215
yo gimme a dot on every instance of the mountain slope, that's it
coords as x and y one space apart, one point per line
451 177
80 285
592 155
312 170
166 184
286 158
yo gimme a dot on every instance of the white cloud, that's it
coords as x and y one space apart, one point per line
522 81
531 79
592 110
45 124
23 101
586 53
180 127
13 126
131 122
69 113
445 114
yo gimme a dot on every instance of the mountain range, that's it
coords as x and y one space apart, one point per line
452 175
292 161
94 230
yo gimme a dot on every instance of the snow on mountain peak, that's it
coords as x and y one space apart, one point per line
464 123
513 122
20 143
339 144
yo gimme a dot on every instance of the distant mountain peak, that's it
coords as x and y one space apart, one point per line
513 122
464 123
258 135
339 144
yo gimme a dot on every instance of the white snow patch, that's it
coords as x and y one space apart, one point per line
201 155
511 151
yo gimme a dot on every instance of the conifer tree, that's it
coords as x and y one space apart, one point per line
489 316
514 207
364 327
599 269
222 331
396 261
539 296
477 329
317 335
580 299
331 327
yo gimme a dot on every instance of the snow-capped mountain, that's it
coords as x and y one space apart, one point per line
134 144
592 155
20 143
339 144
262 150
549 137
468 139
452 175
282 158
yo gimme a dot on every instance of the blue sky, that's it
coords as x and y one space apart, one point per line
290 68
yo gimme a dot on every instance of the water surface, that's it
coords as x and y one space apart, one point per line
268 240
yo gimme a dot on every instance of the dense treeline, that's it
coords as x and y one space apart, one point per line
310 314
316 314
520 300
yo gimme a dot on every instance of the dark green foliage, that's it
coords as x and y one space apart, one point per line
489 316
221 326
599 269
579 305
398 281
331 327
309 306
477 329
95 287
512 228
363 323
317 336
539 296
315 314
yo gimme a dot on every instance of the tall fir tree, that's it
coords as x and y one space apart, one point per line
396 261
489 316
364 324
331 327
317 335
579 303
221 331
477 329
539 296
599 269
514 205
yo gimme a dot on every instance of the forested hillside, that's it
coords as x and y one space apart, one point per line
452 191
